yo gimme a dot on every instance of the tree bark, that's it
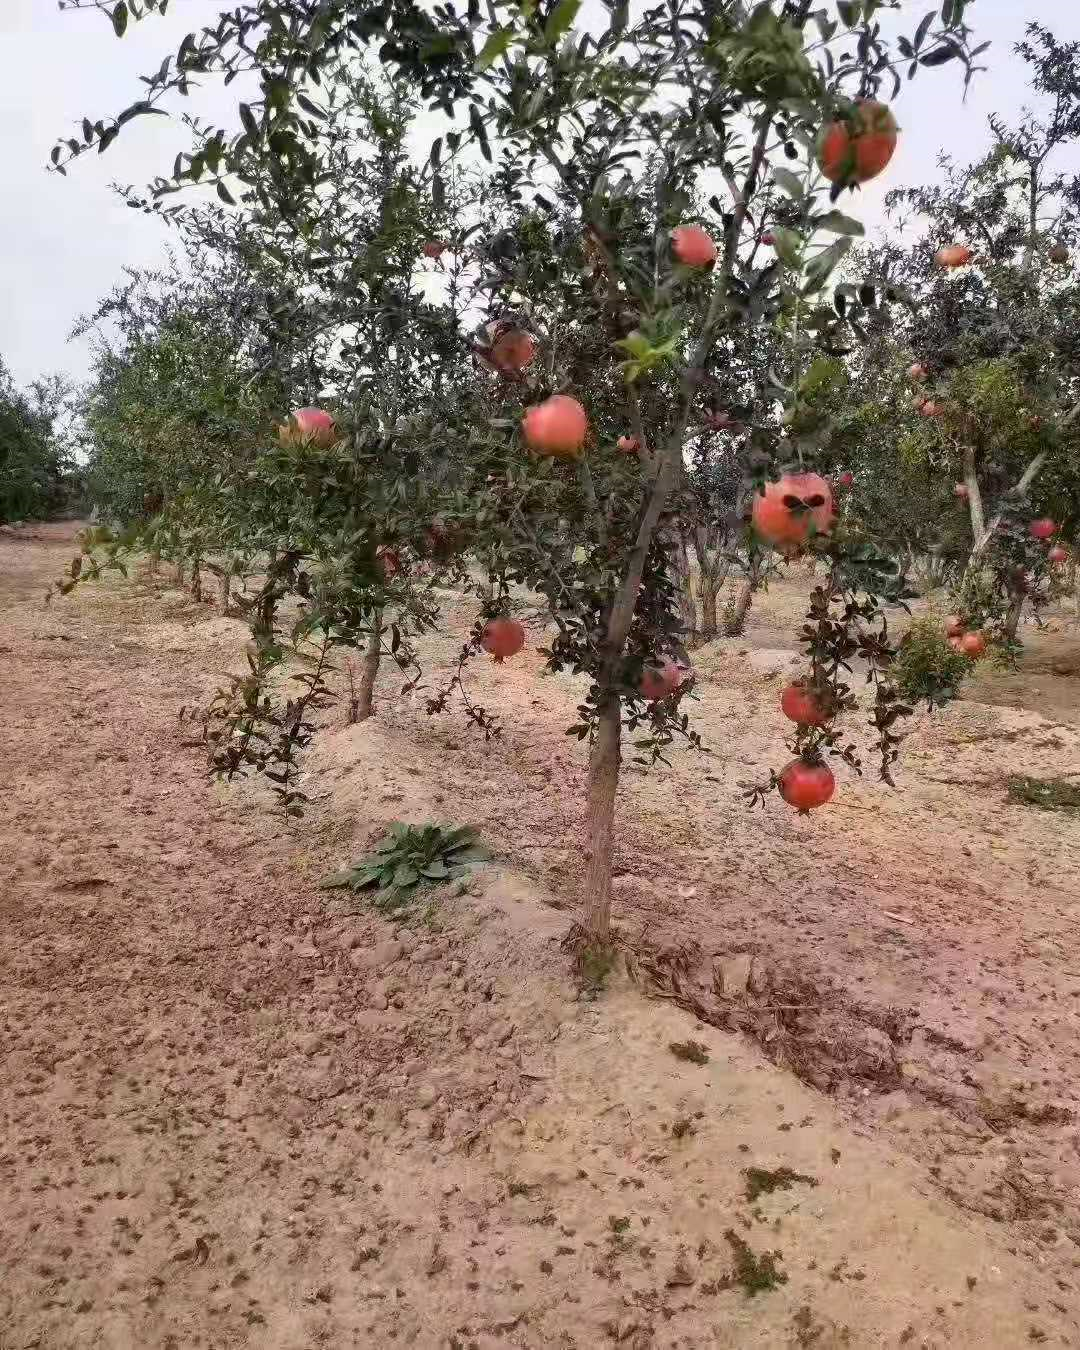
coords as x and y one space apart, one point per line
180 573
196 580
1012 618
369 671
734 624
687 604
604 762
708 588
225 591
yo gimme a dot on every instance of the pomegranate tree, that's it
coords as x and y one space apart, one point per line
626 314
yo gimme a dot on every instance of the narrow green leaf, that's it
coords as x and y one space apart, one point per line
560 19
120 18
496 45
837 223
789 183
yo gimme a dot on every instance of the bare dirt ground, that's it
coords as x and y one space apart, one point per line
237 1111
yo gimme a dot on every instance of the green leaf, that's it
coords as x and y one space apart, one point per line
336 879
224 194
496 45
789 183
560 19
405 875
838 223
436 871
120 18
788 245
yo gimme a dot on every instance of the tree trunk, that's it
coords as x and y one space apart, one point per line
604 761
196 580
225 591
736 620
154 562
687 604
180 573
369 671
708 587
1012 618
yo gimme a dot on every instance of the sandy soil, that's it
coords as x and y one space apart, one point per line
237 1111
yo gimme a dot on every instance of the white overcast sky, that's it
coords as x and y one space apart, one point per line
63 241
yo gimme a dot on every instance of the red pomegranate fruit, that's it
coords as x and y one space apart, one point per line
308 426
661 681
973 645
953 255
802 705
628 444
556 427
692 246
806 786
1042 529
790 510
502 638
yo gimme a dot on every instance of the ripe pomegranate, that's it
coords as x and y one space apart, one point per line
1042 529
768 239
961 490
512 351
1059 253
502 638
1058 554
845 479
308 426
953 255
806 786
693 246
661 681
628 444
954 625
917 372
973 645
803 706
932 409
435 248
556 427
857 148
791 509
957 643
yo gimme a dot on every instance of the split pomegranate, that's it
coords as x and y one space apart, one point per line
973 644
556 427
768 240
791 509
502 638
932 409
660 681
957 643
308 426
917 372
846 479
953 255
961 490
693 246
857 148
954 625
628 444
434 248
1042 529
806 786
1058 554
802 705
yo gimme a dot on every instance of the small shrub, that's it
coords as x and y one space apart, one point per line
689 1050
756 1273
1049 794
763 1181
408 858
926 667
